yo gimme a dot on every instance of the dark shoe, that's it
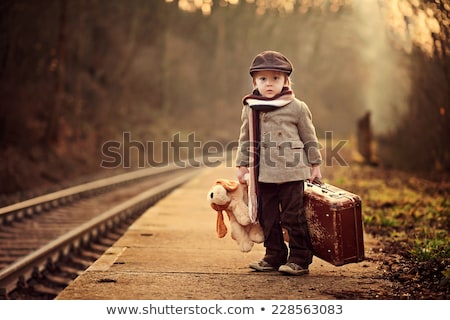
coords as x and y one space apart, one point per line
262 266
293 269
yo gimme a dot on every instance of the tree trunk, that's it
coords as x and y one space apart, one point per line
52 125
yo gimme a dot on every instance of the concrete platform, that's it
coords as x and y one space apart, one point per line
172 252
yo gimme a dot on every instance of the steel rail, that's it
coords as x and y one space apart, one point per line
23 269
28 207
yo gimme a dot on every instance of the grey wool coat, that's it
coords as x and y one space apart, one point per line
288 143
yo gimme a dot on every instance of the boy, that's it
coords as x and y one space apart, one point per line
287 154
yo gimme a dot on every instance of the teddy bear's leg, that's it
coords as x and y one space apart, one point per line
246 246
240 235
256 233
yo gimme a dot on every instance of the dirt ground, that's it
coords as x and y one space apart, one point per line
391 277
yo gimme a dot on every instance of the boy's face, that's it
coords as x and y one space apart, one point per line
269 83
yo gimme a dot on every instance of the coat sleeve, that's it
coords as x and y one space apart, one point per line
242 158
307 133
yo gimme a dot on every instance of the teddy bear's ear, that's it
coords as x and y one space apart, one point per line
229 185
221 228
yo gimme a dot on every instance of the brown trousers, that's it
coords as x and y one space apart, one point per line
281 207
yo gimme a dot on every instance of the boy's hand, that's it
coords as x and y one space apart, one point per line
241 173
315 173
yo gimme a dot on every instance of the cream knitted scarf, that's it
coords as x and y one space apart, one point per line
259 103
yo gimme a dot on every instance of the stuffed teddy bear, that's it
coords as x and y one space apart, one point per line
230 196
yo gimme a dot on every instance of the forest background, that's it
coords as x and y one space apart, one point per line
77 74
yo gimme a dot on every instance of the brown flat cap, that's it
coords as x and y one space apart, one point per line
271 60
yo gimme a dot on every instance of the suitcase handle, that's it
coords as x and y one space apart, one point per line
323 187
317 182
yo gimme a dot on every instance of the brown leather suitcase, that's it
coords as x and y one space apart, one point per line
335 223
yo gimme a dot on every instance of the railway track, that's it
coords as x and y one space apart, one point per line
46 242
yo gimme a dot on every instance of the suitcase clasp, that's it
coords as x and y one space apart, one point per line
337 195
